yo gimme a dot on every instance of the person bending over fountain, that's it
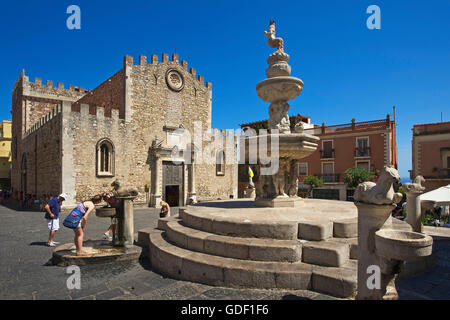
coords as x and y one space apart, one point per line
77 219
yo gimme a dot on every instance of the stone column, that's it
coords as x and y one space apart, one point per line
157 190
192 192
413 210
371 217
125 222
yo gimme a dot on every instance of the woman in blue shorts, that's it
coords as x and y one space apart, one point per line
82 211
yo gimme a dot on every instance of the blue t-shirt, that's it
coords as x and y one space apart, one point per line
54 208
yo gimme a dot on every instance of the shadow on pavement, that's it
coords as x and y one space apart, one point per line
294 297
39 243
227 204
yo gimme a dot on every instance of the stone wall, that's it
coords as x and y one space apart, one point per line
43 158
33 106
81 132
108 95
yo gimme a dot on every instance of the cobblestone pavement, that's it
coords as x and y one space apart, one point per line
24 273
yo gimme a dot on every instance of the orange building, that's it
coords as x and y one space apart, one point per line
431 154
369 145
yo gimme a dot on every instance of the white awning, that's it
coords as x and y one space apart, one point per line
439 197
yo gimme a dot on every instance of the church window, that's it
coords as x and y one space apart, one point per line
105 158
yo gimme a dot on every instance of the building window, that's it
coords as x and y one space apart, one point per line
105 158
362 147
363 165
328 172
327 151
220 163
303 168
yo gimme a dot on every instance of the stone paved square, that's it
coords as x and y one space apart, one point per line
25 274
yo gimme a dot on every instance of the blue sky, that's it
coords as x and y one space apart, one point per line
349 71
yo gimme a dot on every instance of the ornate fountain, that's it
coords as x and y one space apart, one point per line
279 187
382 250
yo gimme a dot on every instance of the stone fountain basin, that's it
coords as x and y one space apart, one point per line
105 212
277 89
402 245
291 145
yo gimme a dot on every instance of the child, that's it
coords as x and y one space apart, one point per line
113 202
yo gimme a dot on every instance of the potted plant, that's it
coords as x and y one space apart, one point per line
355 176
312 182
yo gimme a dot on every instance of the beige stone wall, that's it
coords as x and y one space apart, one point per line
81 133
42 149
210 186
33 105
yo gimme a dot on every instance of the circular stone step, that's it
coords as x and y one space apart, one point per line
240 227
208 269
233 247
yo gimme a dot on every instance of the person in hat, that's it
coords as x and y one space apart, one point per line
52 209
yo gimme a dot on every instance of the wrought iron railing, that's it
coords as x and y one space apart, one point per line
362 152
327 154
328 177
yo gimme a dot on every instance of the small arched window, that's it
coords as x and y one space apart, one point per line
220 163
105 158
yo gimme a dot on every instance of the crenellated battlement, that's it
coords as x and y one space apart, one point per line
225 134
128 60
85 110
49 117
59 91
94 110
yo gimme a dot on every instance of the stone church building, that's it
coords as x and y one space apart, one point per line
78 141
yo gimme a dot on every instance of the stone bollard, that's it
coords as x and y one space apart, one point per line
371 218
125 223
413 208
413 211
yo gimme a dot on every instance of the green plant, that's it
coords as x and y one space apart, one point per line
355 176
313 181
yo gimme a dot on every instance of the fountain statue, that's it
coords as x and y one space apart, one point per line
379 246
280 188
413 205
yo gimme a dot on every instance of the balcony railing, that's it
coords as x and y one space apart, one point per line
329 177
362 152
440 173
327 154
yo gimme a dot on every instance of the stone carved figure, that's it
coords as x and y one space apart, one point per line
293 179
156 143
279 181
119 191
381 192
414 187
278 117
299 127
272 41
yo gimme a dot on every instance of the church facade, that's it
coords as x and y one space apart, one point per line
137 126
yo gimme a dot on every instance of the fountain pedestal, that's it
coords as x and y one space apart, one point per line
413 206
371 218
125 223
